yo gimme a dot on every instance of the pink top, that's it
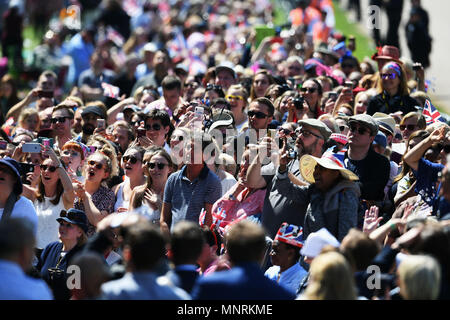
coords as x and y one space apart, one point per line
237 209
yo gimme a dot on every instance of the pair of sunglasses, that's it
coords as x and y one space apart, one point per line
360 130
388 76
130 159
160 165
44 167
257 114
155 127
177 138
410 127
309 90
97 165
59 119
213 87
231 97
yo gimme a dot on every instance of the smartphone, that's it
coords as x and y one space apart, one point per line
349 84
45 94
101 123
141 132
298 103
3 145
332 95
25 168
31 147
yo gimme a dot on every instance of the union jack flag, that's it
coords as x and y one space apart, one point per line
201 217
219 216
431 114
110 90
290 234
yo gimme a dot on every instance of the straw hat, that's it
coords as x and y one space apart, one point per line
329 160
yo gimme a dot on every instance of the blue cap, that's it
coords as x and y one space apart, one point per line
74 216
380 139
15 167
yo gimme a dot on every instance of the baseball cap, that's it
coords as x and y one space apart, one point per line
380 139
316 241
95 110
228 66
74 216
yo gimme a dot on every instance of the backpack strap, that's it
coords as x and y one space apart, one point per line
7 211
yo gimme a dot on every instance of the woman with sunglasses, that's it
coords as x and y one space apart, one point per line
237 97
148 198
392 92
53 193
134 176
311 91
93 196
56 256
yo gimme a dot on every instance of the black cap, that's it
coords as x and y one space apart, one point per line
95 110
74 216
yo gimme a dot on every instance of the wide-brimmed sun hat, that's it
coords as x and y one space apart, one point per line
328 160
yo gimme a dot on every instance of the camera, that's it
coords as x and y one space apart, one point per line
292 154
55 274
298 103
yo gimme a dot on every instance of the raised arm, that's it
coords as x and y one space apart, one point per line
413 156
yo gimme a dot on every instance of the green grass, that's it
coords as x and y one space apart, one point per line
365 47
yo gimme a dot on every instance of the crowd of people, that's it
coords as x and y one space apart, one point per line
183 150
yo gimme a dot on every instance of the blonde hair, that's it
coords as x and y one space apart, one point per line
331 278
420 277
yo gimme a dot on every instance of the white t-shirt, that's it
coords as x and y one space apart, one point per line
24 208
48 227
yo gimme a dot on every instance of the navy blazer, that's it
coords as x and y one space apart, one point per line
242 282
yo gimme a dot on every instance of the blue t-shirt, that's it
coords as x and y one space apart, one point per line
428 188
187 198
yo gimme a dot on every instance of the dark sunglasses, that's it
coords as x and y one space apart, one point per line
348 65
360 130
130 159
410 127
44 167
306 133
388 76
97 165
257 114
309 90
160 165
59 119
155 127
71 215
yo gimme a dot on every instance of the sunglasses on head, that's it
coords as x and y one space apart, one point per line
71 215
360 130
130 159
44 167
257 114
59 119
95 164
388 76
410 127
155 127
160 165
309 90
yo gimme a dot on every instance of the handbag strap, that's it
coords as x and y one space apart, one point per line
7 211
